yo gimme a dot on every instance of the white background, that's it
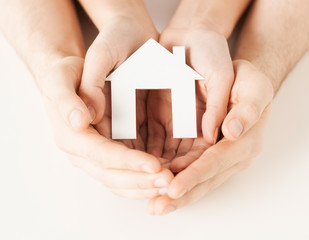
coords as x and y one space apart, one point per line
43 197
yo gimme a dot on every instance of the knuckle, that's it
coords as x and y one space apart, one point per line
142 184
217 109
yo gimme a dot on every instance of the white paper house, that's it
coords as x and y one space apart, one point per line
154 67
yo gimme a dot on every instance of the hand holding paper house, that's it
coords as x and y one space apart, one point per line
154 67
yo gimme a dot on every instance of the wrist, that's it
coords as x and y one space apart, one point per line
102 12
260 66
274 74
43 62
219 16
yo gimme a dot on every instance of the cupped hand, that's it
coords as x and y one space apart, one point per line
126 172
117 40
208 53
250 101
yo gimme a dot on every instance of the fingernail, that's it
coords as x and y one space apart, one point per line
160 182
216 135
92 113
169 209
235 127
182 193
147 169
162 191
76 118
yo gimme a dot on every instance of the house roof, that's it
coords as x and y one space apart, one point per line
151 56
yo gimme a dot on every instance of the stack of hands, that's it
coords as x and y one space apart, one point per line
233 101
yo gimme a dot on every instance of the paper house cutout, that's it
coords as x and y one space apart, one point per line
154 67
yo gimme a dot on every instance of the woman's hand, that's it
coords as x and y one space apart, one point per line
208 53
47 36
126 172
119 37
252 94
201 26
121 33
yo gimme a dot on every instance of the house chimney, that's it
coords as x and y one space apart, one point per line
180 54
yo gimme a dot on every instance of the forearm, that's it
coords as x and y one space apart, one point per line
217 15
41 31
101 11
274 37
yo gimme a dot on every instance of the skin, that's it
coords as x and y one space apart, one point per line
263 63
200 26
60 72
129 21
58 69
219 162
110 51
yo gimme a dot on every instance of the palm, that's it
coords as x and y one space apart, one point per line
160 130
160 134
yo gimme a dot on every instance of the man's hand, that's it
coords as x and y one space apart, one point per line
221 161
126 172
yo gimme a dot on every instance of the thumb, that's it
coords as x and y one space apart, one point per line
59 90
98 63
251 94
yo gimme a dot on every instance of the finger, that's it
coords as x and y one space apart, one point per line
59 90
184 146
138 143
218 158
123 179
156 137
141 120
162 205
215 65
210 163
170 146
253 93
108 154
184 160
218 91
99 61
127 142
141 115
137 194
104 127
144 134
